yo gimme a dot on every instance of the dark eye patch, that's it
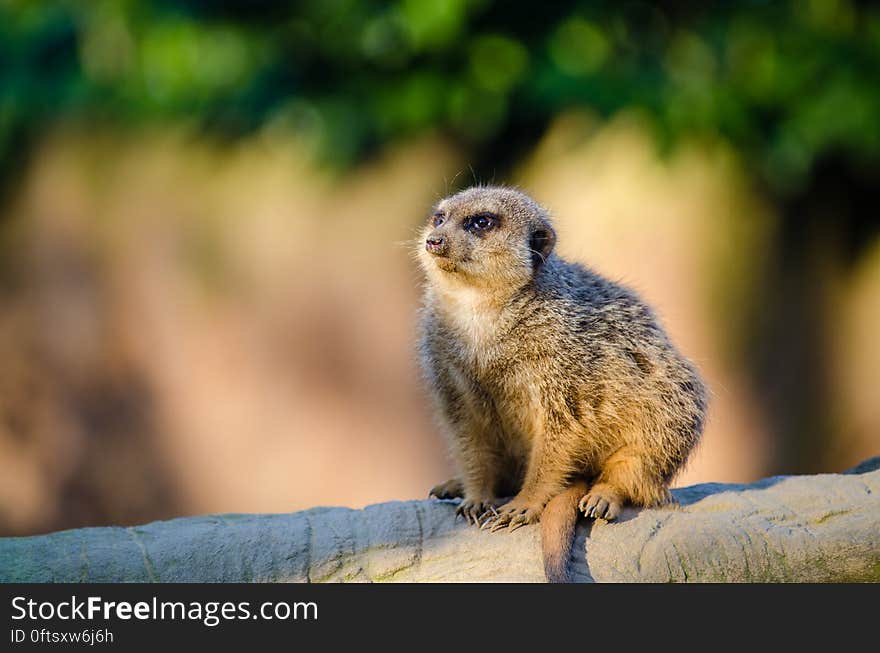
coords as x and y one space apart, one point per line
480 223
438 218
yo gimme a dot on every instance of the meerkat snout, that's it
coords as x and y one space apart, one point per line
436 245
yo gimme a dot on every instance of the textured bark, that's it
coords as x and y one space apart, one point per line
793 528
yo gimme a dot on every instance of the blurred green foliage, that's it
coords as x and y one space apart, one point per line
785 82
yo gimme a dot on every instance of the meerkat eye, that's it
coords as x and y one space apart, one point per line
480 222
438 219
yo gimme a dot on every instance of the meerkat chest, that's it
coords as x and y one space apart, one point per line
517 400
476 321
501 393
521 404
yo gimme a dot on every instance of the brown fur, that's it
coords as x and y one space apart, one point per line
557 531
547 376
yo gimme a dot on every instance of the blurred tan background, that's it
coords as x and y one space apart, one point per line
208 212
195 328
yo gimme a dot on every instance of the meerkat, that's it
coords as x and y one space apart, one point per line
554 385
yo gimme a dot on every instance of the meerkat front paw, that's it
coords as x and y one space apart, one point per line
473 510
451 489
601 502
513 514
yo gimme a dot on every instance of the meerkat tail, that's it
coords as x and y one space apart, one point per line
557 531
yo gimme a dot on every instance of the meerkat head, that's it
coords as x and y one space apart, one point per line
486 236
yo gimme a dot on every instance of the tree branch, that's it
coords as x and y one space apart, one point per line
794 528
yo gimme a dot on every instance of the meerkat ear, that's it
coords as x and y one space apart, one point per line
541 242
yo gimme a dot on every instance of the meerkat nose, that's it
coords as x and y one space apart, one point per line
436 245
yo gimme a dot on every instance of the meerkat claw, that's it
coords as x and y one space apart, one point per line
518 522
